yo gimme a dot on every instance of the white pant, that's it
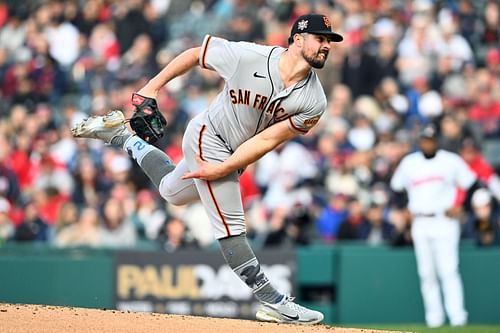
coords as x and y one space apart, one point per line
436 249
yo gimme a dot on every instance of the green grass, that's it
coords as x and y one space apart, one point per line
445 329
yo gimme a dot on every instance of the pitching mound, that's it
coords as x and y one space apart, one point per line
20 318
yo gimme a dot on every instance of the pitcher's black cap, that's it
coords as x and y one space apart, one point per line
315 24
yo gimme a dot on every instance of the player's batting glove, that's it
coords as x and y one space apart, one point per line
147 120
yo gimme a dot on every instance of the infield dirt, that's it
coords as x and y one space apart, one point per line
21 318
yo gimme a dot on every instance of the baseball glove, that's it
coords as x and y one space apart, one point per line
147 121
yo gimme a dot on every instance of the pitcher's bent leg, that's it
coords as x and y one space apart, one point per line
178 191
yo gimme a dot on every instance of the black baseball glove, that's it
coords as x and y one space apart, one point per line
147 121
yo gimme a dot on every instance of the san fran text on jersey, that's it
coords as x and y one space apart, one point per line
259 103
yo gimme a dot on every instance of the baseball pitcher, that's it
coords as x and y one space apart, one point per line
271 94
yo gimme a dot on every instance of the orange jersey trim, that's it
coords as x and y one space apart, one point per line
218 208
199 141
298 129
204 53
219 212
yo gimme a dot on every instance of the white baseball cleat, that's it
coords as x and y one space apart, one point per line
104 127
288 312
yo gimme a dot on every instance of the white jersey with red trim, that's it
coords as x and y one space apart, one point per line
431 183
254 96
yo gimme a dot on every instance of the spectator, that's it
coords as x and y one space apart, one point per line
173 236
52 174
386 34
130 23
350 229
484 223
453 45
361 135
486 111
331 217
400 220
148 217
376 230
68 214
290 227
88 16
32 228
62 36
118 230
471 153
467 19
490 26
13 34
342 180
286 188
9 184
416 49
359 69
452 133
94 67
4 66
85 232
104 45
90 187
6 225
138 62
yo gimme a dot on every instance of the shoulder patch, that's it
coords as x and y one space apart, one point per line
308 123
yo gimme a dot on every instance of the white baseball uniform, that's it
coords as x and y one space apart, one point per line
431 187
254 97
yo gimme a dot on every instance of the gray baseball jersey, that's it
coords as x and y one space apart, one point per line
254 97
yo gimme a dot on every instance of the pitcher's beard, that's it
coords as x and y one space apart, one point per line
316 61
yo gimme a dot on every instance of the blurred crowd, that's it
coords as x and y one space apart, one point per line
403 64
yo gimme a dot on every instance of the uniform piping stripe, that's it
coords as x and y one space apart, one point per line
295 127
218 209
272 89
205 52
209 185
199 141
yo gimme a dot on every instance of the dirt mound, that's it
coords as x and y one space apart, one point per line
20 318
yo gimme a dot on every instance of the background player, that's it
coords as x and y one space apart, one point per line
271 94
431 177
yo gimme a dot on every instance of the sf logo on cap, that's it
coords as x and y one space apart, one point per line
327 22
302 24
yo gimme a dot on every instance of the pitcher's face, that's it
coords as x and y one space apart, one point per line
315 49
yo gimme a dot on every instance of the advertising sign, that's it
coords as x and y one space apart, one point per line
194 282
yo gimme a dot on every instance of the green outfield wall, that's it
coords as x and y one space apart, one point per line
380 284
350 283
40 275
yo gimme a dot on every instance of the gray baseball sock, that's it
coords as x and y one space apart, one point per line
119 140
154 162
240 257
